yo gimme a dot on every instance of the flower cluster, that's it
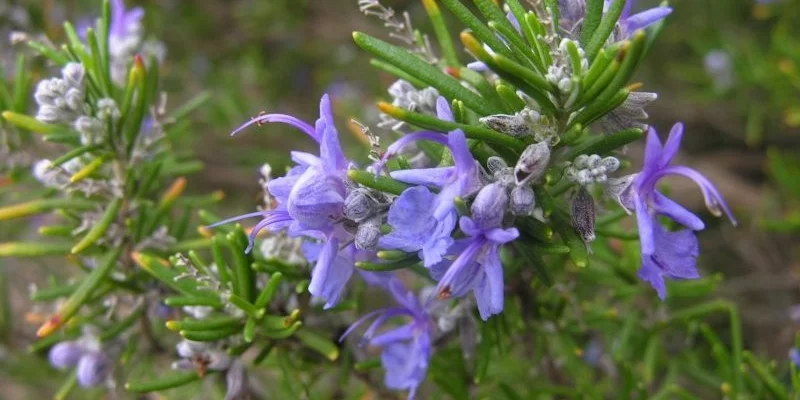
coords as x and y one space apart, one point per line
456 213
491 182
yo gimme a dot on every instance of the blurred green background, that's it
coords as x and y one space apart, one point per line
729 69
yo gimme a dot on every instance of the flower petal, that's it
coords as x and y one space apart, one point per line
649 272
672 145
424 176
330 274
502 236
463 273
713 199
652 155
405 332
646 18
489 290
330 150
665 206
645 222
443 111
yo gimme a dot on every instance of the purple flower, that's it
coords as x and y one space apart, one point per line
478 266
461 179
124 21
794 357
664 253
310 201
631 23
414 228
407 349
420 220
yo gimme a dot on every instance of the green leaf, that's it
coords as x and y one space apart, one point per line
480 133
246 306
82 293
210 335
266 295
33 249
388 266
477 26
377 182
207 324
537 93
604 28
29 123
318 343
120 326
161 270
413 65
52 54
510 97
245 281
773 384
180 301
22 86
100 228
66 388
442 34
171 380
103 75
35 207
483 87
594 13
603 144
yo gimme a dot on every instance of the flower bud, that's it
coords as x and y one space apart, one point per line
107 109
359 205
495 164
611 164
65 355
523 200
187 349
368 233
490 206
617 189
513 125
532 163
93 369
583 214
73 73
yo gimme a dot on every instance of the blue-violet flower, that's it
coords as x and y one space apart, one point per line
664 253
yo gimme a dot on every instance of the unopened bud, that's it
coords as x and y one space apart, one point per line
617 189
489 206
74 74
583 214
611 164
496 164
93 369
523 200
532 163
513 125
368 233
65 355
359 205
